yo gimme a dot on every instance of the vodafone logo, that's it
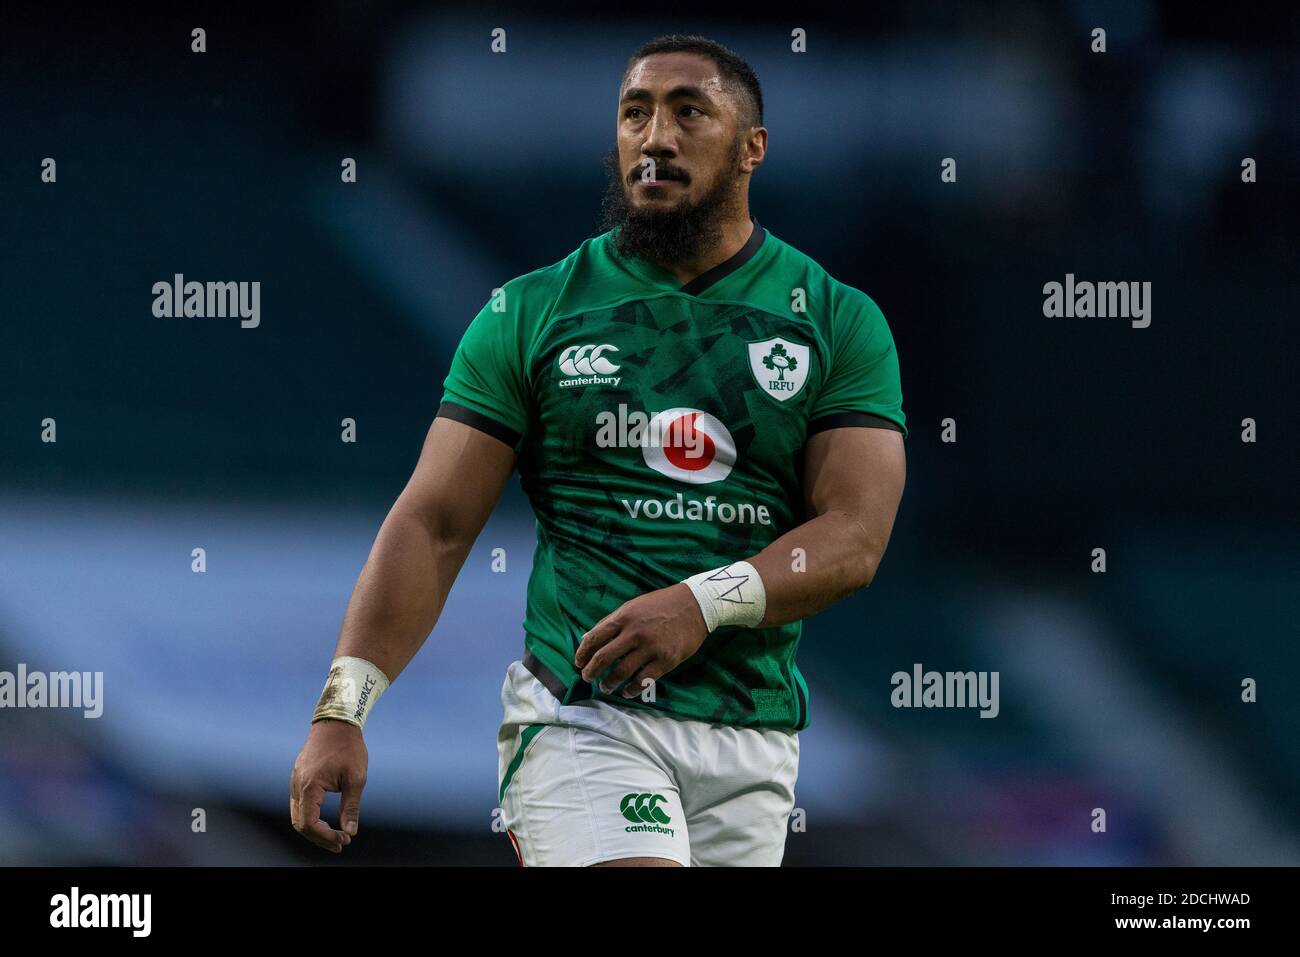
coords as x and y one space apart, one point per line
690 446
685 444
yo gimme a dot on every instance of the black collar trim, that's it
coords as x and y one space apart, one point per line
723 269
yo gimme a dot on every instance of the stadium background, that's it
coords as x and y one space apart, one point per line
1118 690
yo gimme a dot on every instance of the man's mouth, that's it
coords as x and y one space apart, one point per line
658 179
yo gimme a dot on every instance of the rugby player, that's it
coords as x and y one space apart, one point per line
709 428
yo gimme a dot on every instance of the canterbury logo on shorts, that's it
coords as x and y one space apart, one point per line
644 812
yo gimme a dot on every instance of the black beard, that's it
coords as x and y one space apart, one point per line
673 236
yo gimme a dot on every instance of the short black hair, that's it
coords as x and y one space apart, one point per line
735 71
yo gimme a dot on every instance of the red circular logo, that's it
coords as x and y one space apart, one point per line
687 447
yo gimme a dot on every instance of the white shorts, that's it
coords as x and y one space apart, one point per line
590 782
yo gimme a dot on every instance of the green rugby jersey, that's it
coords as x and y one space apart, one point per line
660 431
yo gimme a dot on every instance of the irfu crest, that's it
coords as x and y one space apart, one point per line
780 366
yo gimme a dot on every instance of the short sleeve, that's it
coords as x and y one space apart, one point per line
487 385
862 386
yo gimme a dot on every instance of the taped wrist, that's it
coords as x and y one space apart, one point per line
729 595
351 690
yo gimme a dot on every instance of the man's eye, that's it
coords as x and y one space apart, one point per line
695 108
632 112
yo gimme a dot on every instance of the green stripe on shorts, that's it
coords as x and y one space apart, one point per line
525 740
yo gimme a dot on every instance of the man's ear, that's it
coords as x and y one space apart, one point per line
755 149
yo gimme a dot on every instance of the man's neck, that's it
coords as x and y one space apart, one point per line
735 233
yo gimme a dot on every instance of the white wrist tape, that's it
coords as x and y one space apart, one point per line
351 690
730 595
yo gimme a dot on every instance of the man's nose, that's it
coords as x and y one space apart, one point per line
660 135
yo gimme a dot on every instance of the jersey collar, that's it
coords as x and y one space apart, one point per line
726 268
712 277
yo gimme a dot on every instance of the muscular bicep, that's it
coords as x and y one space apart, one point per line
860 472
458 480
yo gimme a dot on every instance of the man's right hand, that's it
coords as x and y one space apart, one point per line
333 759
417 554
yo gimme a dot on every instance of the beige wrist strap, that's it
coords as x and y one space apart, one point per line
351 690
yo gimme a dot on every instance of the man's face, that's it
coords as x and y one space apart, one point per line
678 171
674 110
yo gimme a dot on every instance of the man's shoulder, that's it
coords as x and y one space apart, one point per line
545 286
826 296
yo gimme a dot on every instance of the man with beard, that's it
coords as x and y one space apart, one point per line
710 431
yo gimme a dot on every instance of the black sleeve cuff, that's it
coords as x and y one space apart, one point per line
842 420
477 420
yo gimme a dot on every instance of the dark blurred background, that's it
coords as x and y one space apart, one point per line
1119 690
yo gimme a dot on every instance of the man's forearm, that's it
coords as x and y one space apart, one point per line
838 556
400 591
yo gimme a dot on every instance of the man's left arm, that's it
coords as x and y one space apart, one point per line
853 482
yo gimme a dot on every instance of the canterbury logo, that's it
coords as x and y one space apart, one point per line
587 360
644 807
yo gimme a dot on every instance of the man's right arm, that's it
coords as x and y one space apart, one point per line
423 543
399 595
